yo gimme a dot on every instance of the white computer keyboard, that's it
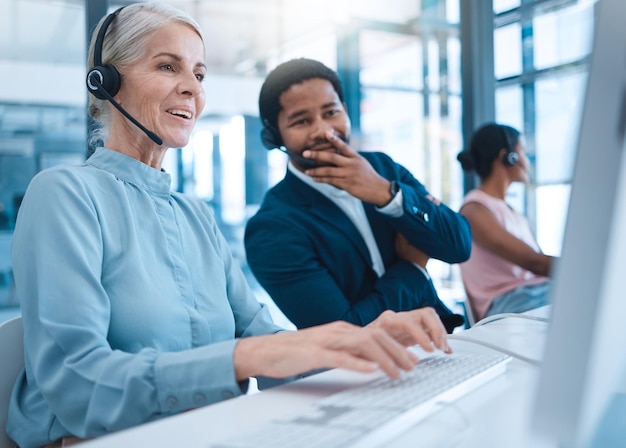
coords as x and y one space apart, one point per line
373 413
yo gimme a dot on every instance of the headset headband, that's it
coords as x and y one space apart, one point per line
97 52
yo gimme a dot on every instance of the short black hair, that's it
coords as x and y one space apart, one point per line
283 77
484 147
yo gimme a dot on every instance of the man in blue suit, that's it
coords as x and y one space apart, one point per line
345 235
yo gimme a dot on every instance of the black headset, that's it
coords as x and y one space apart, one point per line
103 76
270 136
510 157
103 80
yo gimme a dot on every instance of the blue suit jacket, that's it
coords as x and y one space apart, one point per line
315 265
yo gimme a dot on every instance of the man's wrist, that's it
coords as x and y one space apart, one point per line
393 190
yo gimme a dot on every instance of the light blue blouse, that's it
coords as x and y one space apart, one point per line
131 302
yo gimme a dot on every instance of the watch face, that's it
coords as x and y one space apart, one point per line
394 188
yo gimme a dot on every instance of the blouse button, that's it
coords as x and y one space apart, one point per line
172 402
199 398
227 394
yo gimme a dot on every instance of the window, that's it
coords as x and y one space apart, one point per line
410 106
541 51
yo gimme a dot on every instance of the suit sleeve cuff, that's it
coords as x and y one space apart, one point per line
394 208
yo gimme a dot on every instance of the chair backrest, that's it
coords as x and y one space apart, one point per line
12 356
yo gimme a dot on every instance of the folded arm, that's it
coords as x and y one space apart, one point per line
301 278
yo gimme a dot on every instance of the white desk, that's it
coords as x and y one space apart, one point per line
494 415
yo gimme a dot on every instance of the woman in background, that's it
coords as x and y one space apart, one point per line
133 306
507 271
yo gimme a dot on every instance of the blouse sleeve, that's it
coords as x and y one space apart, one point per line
89 388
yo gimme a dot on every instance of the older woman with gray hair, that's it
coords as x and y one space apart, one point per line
133 306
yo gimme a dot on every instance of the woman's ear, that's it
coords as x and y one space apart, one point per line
500 158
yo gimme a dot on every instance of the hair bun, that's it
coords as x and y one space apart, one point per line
466 159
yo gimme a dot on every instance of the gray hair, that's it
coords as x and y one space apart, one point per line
123 46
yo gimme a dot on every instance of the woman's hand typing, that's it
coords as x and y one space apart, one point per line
381 344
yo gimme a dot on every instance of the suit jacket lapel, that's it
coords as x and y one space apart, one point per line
381 232
327 211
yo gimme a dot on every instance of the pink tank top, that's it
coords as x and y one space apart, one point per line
486 275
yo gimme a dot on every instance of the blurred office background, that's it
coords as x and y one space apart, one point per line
419 75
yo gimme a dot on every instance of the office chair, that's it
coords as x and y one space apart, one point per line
12 356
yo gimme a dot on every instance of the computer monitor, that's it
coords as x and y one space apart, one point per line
584 359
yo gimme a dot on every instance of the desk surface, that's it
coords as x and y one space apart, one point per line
496 414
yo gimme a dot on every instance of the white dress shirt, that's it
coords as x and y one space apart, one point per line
353 208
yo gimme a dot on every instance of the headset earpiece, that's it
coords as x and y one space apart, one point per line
103 76
270 136
510 157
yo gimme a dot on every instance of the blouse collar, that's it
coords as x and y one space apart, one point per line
131 170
